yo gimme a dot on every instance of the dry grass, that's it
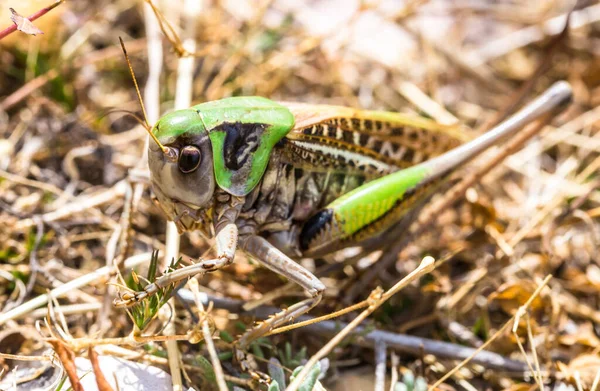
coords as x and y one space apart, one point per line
73 201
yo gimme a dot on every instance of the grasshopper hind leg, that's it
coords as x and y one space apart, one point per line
272 258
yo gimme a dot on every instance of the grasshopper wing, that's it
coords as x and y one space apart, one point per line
374 142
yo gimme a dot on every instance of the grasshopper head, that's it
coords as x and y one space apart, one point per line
225 143
182 178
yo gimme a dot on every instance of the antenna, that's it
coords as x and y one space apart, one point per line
146 125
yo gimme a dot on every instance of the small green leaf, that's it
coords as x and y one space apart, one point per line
208 373
143 312
225 336
276 372
257 351
309 382
274 386
400 387
225 356
409 379
420 384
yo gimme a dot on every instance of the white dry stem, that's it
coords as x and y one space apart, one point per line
79 204
596 382
522 311
206 333
93 277
380 365
394 364
377 299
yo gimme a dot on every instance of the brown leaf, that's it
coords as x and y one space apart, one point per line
585 336
510 296
101 382
586 365
24 24
67 358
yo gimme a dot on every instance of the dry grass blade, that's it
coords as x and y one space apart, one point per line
207 334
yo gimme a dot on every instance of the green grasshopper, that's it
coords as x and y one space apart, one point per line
287 180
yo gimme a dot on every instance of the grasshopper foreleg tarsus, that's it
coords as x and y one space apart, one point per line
272 258
226 246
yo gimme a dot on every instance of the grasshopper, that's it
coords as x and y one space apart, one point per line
282 181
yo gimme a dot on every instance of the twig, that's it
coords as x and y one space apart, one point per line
7 356
380 361
421 100
78 204
394 365
522 311
12 28
129 340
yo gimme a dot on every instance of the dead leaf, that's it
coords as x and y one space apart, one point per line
67 359
511 296
586 366
585 336
103 384
24 24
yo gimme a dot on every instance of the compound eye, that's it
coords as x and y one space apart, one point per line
189 159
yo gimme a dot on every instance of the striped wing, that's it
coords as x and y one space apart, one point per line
372 142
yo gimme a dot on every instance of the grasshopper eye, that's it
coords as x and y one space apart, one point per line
189 159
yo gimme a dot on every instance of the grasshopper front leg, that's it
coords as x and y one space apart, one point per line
272 258
227 237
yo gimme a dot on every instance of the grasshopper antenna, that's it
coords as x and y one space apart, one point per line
146 125
130 113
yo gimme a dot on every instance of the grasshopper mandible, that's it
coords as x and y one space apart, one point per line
288 180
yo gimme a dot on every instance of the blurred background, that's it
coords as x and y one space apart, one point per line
65 201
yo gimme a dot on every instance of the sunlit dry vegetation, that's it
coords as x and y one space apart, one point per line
506 262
